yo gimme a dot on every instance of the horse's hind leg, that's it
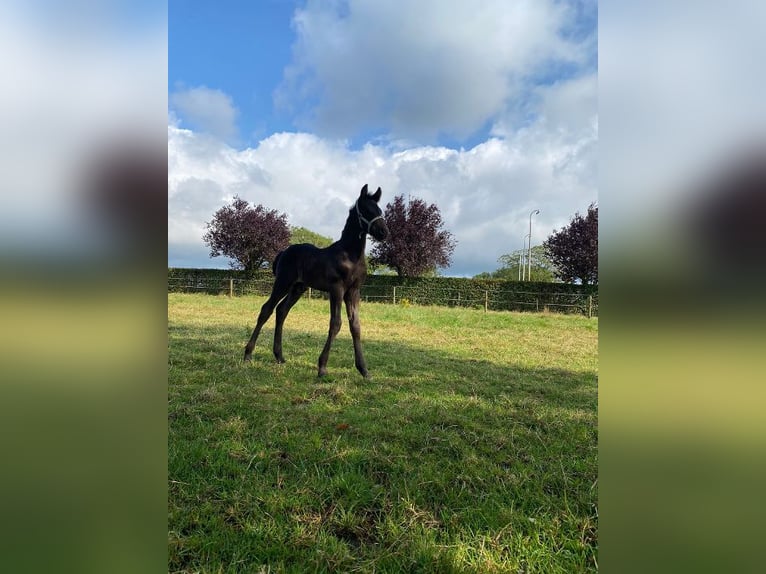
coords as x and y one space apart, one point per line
282 310
278 292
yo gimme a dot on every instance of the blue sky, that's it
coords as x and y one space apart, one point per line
488 110
296 104
239 47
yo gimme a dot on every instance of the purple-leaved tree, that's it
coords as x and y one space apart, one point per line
416 242
251 236
574 249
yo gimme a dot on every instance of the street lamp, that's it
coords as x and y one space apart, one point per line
529 259
520 253
522 264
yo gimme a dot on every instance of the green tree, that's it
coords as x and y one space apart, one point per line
303 235
542 270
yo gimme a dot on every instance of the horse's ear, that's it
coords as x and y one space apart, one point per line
376 196
364 191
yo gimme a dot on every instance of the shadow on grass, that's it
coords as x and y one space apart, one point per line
441 463
392 364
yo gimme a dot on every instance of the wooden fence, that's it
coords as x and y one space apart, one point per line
488 300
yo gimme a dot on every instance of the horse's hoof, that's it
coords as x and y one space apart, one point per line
247 358
363 371
280 360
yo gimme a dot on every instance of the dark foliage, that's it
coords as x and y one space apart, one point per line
249 235
726 222
417 244
574 249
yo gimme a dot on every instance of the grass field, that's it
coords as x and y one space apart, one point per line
472 449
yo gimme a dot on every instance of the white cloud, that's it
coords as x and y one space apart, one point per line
419 69
207 110
485 194
410 72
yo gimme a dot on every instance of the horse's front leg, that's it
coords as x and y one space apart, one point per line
336 301
352 310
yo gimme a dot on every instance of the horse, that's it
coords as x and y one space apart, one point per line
339 270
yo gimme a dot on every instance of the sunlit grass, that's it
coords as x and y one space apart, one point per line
473 448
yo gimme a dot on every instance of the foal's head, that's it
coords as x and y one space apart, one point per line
370 215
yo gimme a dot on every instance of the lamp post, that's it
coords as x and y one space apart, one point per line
522 264
529 258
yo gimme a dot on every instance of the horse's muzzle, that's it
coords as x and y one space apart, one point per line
379 230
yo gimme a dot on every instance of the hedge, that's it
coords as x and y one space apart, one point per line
216 281
490 294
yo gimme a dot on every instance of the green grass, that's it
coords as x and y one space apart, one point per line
472 449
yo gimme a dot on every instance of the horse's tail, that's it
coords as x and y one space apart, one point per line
276 260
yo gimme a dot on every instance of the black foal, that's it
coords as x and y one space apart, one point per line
338 269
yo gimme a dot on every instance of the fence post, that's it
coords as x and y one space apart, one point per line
394 294
309 293
231 287
537 305
590 306
486 301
